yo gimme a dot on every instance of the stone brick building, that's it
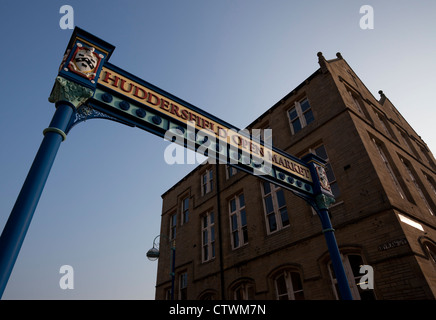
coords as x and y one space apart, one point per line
240 238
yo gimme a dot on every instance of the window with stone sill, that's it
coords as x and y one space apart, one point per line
183 286
238 221
173 226
208 236
206 182
185 210
418 185
300 115
398 183
274 204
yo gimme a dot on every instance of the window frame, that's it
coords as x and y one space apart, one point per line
399 184
185 211
352 278
241 230
246 290
359 104
289 284
210 243
417 183
408 143
167 293
356 102
273 190
430 182
385 125
206 186
300 114
230 171
183 285
173 226
427 157
430 249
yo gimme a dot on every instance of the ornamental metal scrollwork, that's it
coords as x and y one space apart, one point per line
86 112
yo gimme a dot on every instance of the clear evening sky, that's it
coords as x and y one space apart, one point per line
101 206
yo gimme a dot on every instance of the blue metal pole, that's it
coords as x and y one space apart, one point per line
335 255
320 202
19 220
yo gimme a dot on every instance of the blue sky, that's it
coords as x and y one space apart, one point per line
101 206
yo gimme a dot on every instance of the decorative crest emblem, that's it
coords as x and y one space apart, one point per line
84 62
323 178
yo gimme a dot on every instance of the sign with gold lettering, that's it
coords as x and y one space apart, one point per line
121 96
179 111
88 86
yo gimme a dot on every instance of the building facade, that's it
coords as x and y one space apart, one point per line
238 237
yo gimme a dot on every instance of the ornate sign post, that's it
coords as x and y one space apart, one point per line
88 86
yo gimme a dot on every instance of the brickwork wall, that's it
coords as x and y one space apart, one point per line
365 216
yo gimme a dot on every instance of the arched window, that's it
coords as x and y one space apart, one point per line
431 251
352 264
242 290
429 248
288 285
208 295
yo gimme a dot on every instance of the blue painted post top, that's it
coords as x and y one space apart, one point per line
321 184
